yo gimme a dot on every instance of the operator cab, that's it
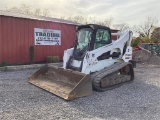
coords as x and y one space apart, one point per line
90 37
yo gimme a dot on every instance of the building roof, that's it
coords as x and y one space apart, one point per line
42 18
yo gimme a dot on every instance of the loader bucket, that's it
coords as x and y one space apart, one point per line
64 83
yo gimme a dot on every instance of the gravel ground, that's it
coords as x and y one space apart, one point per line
139 100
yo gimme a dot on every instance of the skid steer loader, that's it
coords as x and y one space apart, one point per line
96 62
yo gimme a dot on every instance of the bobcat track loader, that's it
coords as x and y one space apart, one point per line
96 62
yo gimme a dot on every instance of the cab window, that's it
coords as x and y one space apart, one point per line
102 38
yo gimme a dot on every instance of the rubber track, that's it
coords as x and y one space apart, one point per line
97 76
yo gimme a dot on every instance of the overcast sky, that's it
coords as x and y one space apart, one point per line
122 11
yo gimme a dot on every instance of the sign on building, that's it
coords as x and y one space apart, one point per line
47 36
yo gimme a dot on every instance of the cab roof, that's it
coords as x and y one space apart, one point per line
93 26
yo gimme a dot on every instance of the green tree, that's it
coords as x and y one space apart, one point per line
135 42
146 40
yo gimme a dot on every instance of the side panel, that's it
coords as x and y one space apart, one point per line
4 40
0 39
90 62
17 35
26 38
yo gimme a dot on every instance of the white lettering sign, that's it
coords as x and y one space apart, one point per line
47 36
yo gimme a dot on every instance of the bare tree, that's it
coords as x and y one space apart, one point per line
37 12
63 17
12 9
79 19
25 9
107 22
146 27
121 27
45 12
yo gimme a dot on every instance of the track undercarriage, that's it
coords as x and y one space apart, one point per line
113 76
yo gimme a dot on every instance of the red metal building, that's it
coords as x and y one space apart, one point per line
17 35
